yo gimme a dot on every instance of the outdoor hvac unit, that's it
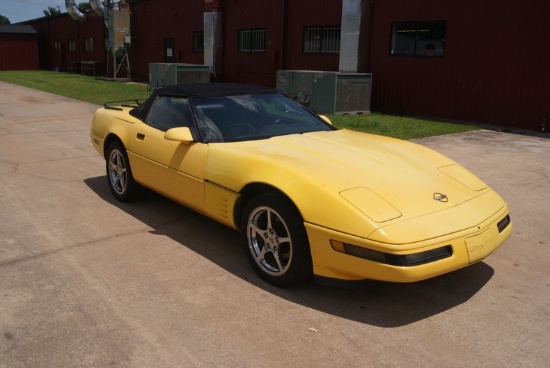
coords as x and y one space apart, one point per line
167 74
328 92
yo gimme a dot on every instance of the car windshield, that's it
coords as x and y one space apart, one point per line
253 116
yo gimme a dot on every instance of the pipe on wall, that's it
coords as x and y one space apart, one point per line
97 6
73 11
212 5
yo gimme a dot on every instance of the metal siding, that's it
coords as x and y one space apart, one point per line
308 13
61 28
152 22
284 22
259 67
93 27
494 70
42 27
18 52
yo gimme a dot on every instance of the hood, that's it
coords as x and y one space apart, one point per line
385 179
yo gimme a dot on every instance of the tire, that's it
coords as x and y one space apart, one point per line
119 174
275 240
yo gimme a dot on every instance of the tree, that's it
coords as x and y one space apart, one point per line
4 20
82 7
51 11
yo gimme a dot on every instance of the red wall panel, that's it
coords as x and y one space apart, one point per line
493 70
18 51
259 67
284 22
310 13
153 21
63 28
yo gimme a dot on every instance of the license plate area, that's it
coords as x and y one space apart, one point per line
480 246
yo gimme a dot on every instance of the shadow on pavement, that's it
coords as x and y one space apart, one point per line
371 302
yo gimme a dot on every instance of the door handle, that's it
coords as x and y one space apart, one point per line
140 136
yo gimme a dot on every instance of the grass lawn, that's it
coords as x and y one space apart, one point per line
402 127
98 91
76 86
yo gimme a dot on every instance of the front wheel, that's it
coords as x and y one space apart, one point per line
119 174
275 240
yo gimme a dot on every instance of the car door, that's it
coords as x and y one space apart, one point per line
174 169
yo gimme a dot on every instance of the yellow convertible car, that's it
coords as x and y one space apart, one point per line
309 199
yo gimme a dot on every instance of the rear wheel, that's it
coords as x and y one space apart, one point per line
119 174
275 240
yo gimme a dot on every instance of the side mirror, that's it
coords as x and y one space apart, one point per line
182 134
327 120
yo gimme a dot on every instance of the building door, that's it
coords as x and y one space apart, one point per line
169 50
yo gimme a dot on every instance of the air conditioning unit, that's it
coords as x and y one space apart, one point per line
328 92
167 74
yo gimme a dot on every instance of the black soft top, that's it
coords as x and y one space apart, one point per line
199 90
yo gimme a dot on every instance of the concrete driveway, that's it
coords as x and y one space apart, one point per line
86 281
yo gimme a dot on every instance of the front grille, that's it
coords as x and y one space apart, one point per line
503 224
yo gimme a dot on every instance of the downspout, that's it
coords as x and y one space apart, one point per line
354 16
97 7
79 68
280 56
213 37
73 11
366 37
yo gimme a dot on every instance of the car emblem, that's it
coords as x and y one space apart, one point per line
441 197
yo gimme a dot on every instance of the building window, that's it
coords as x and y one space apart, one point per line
418 38
89 44
198 41
72 45
322 40
252 40
57 45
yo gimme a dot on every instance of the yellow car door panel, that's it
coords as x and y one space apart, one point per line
172 168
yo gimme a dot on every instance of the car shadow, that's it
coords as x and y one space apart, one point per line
375 303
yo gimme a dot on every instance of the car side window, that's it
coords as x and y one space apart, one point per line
170 112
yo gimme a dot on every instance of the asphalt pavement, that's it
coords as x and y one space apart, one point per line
86 281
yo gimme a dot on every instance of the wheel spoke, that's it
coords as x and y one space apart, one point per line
260 257
121 179
269 213
285 239
254 229
121 170
278 260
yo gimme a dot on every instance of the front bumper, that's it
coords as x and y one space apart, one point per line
467 246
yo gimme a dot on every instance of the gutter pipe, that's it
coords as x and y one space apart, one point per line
73 11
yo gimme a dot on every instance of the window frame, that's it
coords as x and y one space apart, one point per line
432 34
198 42
71 45
89 44
164 108
251 41
321 48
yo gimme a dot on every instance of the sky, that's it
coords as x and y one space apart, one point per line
21 10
